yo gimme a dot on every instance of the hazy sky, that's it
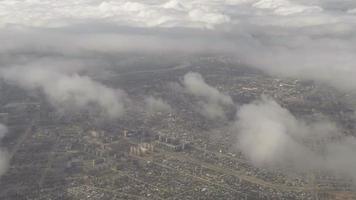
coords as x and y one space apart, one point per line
178 13
310 39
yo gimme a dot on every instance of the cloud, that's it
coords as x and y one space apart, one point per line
310 40
67 91
137 13
212 103
160 13
270 136
154 105
305 39
3 130
285 7
4 159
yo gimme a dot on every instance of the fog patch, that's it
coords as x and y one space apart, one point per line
211 102
68 91
270 136
156 105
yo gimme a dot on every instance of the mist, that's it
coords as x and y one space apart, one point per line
270 136
211 102
154 105
67 91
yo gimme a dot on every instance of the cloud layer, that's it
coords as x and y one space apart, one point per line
305 39
169 13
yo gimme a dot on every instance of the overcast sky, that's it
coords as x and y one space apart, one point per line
308 39
178 13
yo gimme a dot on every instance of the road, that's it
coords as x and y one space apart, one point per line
21 140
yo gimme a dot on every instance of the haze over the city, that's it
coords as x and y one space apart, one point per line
238 99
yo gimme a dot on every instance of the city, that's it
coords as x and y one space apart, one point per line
174 154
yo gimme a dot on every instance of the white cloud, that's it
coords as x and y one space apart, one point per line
270 136
212 103
171 13
67 91
285 7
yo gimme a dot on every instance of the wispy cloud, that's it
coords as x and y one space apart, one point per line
68 91
212 103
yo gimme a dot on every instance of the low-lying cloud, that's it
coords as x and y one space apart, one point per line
67 91
270 136
154 105
212 103
296 38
